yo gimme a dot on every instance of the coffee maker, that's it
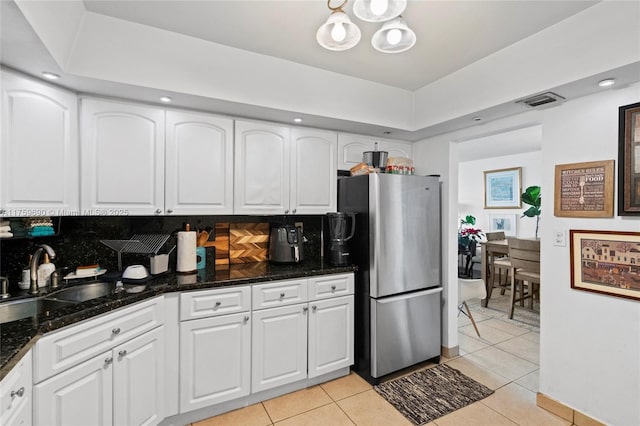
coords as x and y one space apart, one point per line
342 227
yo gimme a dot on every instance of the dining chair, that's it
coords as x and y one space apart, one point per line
499 265
525 271
469 289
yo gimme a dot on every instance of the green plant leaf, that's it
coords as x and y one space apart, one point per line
532 196
532 211
471 220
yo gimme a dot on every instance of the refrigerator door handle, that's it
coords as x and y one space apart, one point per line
392 299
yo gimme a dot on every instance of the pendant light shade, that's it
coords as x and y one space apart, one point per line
378 10
394 37
338 33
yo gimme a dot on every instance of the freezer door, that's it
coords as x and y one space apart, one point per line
405 330
404 232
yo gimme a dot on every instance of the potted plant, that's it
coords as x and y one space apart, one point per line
532 197
467 233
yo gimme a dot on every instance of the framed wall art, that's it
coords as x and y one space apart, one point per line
506 223
629 160
584 189
606 262
502 188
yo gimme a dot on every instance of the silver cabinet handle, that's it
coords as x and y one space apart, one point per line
305 308
218 303
314 307
294 211
122 353
281 295
333 288
246 318
170 211
17 393
116 330
158 211
108 361
286 211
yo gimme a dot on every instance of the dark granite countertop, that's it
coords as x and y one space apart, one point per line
17 337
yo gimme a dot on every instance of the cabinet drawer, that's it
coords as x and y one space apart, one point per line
219 301
59 350
15 394
326 286
279 293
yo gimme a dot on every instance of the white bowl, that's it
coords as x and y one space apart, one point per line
135 272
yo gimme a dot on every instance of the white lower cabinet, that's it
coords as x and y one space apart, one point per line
16 394
81 395
279 346
138 380
215 356
121 387
330 335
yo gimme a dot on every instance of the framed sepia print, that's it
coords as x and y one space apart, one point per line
629 160
506 223
606 262
584 189
502 188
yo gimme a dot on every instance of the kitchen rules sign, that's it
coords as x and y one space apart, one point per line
584 189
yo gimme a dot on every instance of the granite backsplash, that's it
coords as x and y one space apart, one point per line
77 239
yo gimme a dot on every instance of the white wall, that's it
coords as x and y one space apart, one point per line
471 188
589 343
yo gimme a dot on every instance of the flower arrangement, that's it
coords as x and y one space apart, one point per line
467 233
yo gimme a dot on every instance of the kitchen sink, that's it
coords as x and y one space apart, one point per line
83 292
23 308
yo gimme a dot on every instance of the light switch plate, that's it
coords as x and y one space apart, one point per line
559 239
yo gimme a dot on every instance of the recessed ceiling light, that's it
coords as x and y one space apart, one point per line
165 99
607 82
298 120
50 76
477 118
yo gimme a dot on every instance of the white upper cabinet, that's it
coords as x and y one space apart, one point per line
122 166
351 147
262 152
199 164
39 149
313 171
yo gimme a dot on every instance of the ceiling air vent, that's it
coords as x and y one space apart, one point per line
541 99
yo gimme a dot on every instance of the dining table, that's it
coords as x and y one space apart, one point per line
491 250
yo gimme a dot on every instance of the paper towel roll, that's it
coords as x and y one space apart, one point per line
186 251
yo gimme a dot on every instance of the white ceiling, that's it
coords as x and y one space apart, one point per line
450 34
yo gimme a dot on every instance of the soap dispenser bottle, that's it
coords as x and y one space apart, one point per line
44 272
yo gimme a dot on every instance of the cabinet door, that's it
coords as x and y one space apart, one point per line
79 396
199 164
16 394
350 149
215 360
396 149
261 168
122 168
39 149
313 171
330 335
279 346
138 380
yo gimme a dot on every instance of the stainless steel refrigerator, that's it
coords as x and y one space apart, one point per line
398 282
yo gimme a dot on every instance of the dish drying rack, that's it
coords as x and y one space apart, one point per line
139 244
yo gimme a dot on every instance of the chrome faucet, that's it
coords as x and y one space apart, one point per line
33 285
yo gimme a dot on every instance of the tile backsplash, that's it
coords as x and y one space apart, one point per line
77 241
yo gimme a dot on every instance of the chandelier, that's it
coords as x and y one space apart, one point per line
340 33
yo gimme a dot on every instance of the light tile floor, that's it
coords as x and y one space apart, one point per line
505 359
